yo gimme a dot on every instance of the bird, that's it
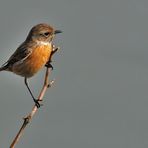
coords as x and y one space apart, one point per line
33 54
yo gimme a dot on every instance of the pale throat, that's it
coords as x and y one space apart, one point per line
44 43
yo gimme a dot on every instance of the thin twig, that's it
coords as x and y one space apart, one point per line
28 118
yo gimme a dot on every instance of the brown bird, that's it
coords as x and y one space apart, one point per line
32 54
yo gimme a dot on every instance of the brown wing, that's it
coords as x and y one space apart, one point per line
19 55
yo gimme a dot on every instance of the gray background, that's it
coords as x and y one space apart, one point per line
100 97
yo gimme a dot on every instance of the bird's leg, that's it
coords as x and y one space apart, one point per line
35 100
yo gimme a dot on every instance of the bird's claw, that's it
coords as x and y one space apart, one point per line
37 104
48 65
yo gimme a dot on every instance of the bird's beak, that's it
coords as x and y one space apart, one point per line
57 31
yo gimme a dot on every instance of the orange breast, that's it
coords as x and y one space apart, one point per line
31 65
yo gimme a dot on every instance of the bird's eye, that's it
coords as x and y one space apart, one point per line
46 33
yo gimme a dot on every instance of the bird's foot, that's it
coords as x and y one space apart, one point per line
37 104
48 65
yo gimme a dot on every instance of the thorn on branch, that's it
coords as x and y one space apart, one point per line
51 83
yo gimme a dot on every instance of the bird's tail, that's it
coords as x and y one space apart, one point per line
2 68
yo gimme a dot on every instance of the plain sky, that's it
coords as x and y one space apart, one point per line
100 96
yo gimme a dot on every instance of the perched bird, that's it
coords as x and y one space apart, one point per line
32 54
